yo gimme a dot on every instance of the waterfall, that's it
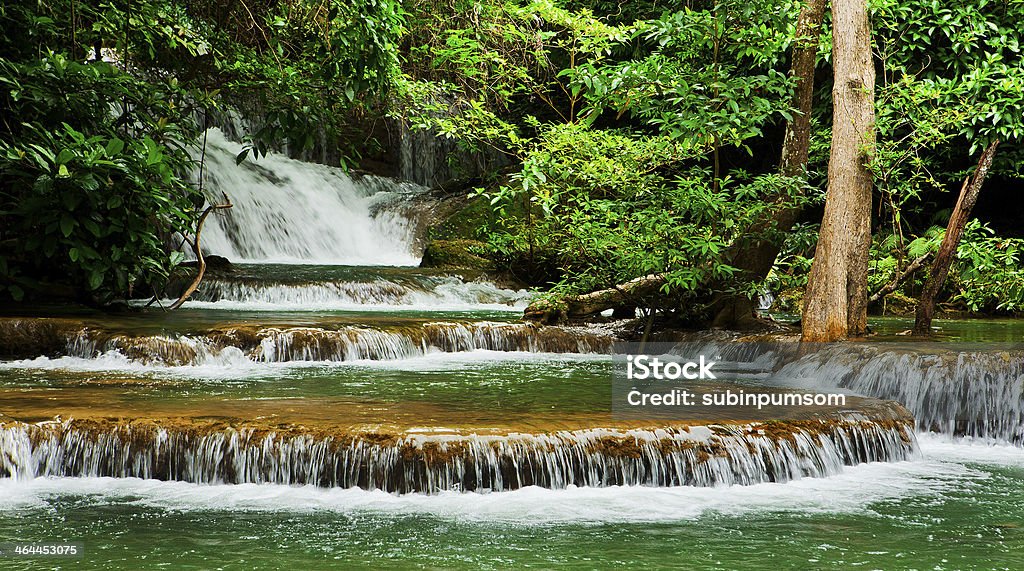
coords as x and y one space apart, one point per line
969 391
289 211
432 293
315 344
972 390
416 462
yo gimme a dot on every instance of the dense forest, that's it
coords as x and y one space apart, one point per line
671 157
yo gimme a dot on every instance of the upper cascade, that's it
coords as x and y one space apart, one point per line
422 292
288 211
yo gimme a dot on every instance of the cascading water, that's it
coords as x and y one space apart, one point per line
410 462
976 392
344 343
424 435
419 292
289 211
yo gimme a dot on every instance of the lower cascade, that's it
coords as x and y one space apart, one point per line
407 462
964 392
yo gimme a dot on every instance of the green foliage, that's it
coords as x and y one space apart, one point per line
986 275
989 273
100 105
605 207
613 128
793 264
952 81
708 77
311 65
492 73
966 57
88 196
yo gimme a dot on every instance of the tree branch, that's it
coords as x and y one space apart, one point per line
896 281
201 268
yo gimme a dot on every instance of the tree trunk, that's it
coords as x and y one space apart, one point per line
755 260
947 250
836 300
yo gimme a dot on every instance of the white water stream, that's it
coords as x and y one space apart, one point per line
288 211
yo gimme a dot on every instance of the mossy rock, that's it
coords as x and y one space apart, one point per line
457 255
461 218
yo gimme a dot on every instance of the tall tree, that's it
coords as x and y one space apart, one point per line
755 259
836 300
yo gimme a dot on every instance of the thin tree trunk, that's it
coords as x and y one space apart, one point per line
836 299
201 261
954 231
755 260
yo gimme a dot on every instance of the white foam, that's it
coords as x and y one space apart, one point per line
854 490
970 450
435 294
440 307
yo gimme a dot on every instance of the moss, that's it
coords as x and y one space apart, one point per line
457 254
462 219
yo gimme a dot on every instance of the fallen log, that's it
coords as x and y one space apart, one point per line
629 293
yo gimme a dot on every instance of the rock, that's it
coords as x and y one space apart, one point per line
28 337
456 255
213 262
217 263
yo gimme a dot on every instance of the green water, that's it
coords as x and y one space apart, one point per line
958 507
960 330
485 382
940 515
973 330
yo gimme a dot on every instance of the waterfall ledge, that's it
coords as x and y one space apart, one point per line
417 459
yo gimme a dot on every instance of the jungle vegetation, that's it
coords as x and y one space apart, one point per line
633 139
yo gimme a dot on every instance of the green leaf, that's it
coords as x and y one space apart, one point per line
67 225
71 200
92 227
16 292
65 156
114 147
95 279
